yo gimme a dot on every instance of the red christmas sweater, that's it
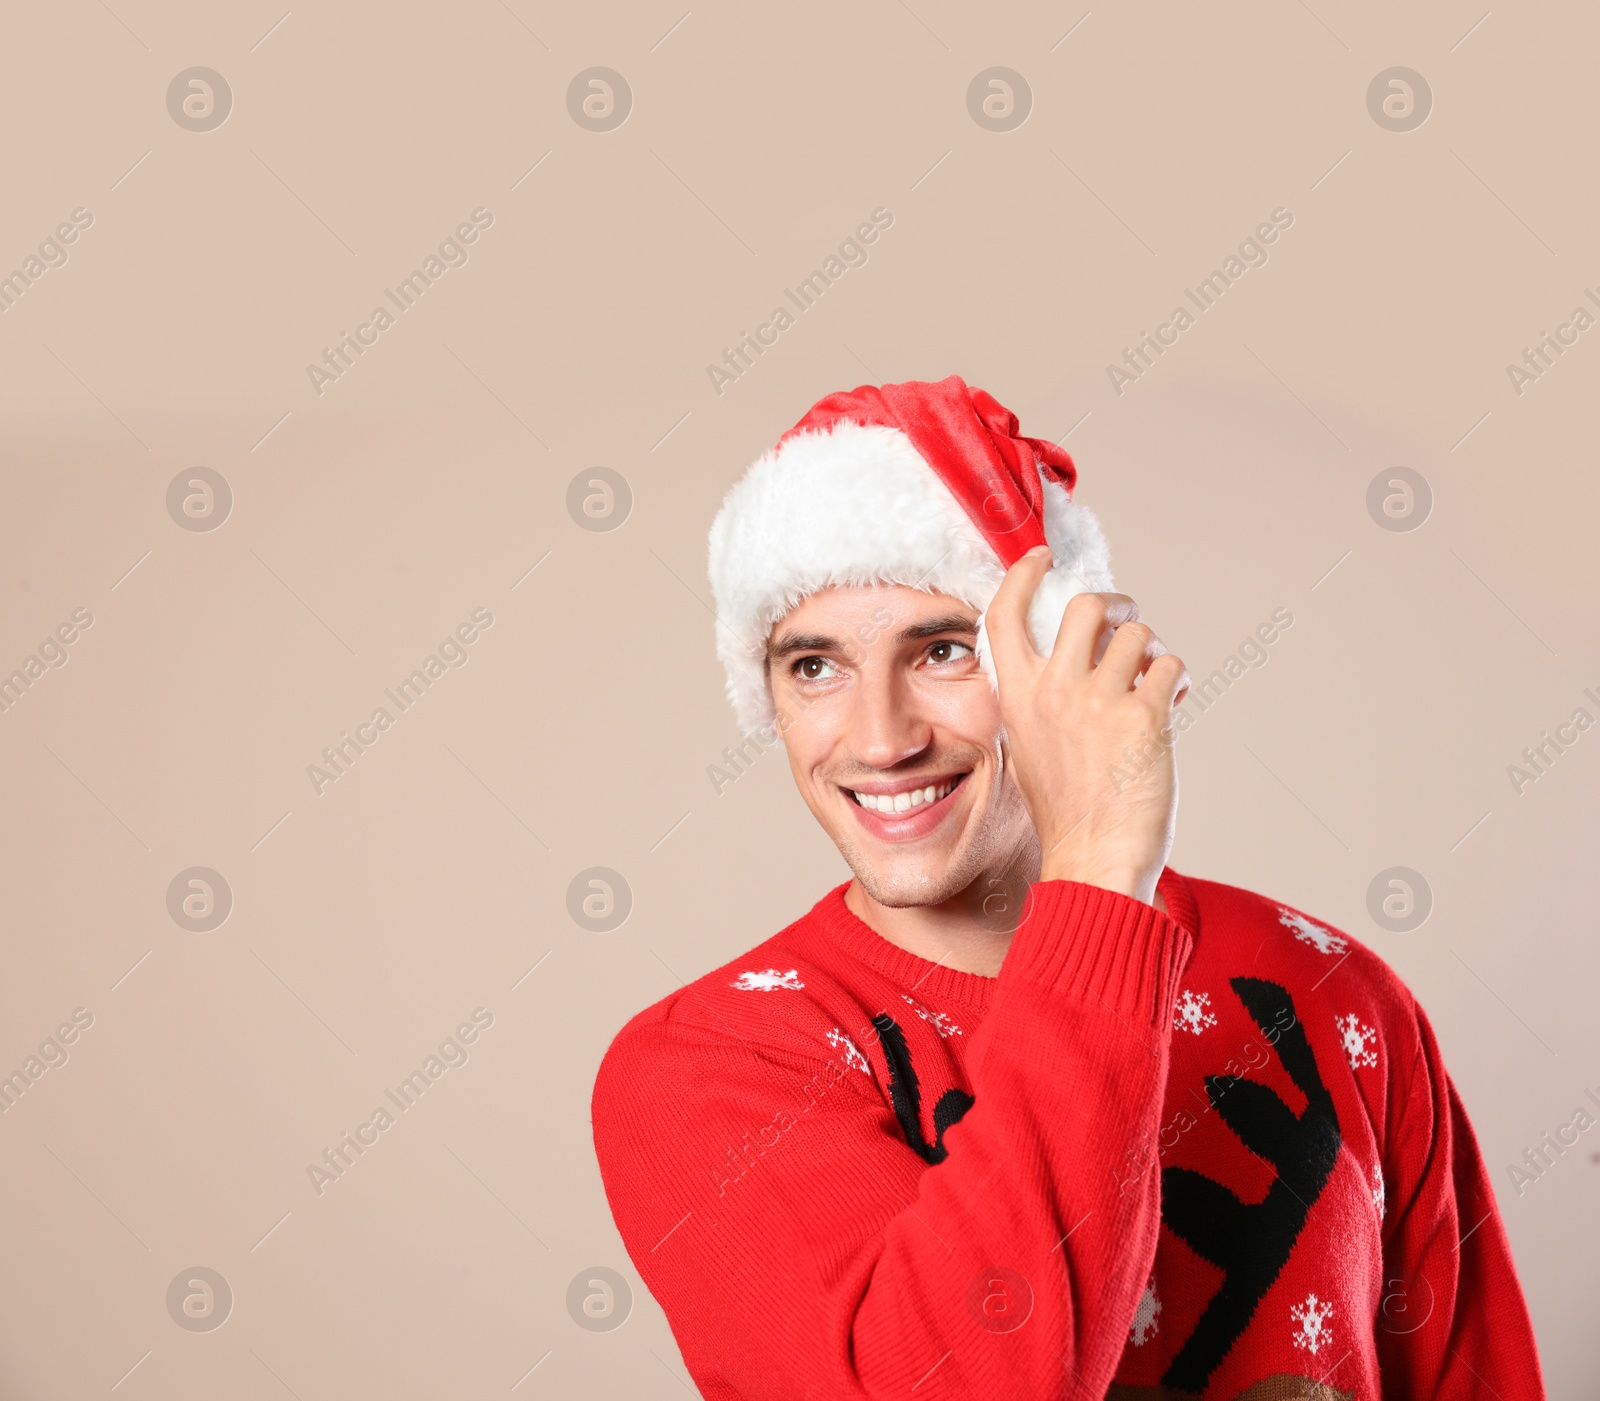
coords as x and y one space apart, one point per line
1209 1153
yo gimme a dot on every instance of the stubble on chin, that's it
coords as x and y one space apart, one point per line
899 885
897 888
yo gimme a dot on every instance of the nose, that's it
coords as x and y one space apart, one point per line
886 725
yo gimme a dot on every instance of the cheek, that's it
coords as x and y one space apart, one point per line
967 710
809 733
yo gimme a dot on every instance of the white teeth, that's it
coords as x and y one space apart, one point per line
904 802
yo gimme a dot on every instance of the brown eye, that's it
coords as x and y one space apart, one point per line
811 668
942 652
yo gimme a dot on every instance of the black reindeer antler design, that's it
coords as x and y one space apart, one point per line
1251 1243
906 1095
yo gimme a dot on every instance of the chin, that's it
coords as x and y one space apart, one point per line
898 890
986 859
901 882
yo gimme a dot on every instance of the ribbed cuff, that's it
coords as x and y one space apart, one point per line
1099 945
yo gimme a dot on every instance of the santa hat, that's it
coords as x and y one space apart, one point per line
920 484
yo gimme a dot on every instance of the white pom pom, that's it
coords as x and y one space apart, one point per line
1057 589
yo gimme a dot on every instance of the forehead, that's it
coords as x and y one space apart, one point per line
883 607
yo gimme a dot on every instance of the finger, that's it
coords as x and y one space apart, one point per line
1165 683
1154 652
1086 629
1130 653
1006 618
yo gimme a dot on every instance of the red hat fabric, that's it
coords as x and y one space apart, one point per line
970 440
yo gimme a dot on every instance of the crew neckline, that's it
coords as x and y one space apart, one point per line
915 974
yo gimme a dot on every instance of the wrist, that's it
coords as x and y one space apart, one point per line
1137 885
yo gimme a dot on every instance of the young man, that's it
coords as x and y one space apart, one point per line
1021 1112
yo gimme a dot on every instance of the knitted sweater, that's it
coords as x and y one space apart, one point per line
1212 1153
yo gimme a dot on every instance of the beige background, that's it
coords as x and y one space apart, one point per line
432 477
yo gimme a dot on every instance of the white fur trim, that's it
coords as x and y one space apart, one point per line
855 504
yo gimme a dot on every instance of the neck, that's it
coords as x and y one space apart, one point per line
971 931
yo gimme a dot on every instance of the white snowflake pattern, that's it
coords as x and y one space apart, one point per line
852 1054
1359 1041
767 980
1380 1195
1146 1316
938 1020
1313 1333
1323 940
1192 1012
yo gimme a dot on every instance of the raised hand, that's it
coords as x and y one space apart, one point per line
1089 732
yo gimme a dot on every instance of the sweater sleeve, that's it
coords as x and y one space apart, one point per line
801 1248
1452 1323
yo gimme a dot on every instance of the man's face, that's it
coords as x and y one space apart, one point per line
894 738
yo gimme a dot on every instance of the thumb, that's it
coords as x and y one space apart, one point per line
1005 621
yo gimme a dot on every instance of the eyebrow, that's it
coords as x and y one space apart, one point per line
932 627
790 643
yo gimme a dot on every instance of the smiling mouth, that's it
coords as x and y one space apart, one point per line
896 804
